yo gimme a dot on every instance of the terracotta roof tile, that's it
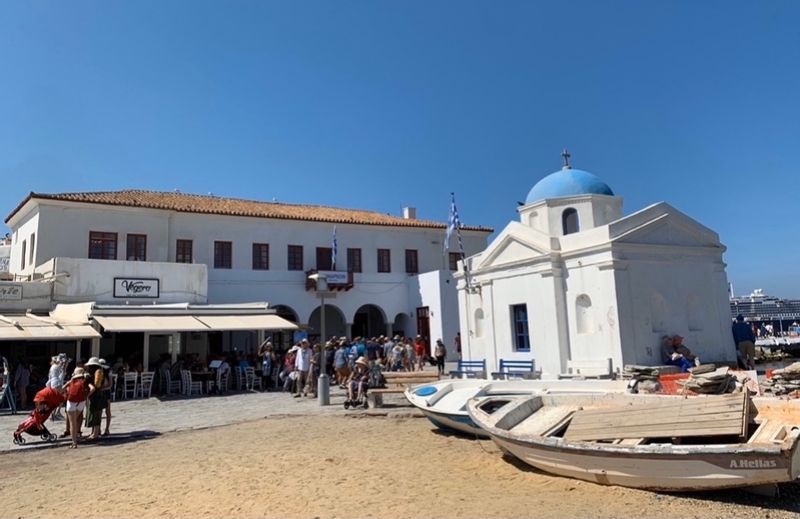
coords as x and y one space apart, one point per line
207 204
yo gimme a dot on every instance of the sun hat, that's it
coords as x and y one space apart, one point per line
94 361
363 361
78 373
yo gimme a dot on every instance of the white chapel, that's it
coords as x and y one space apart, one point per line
574 279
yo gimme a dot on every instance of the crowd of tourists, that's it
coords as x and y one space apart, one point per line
349 360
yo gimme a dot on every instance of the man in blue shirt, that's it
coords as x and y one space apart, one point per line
745 341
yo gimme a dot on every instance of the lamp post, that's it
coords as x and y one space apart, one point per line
323 386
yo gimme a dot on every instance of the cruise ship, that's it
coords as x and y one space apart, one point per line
783 314
761 308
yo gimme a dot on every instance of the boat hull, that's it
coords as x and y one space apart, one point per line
538 431
674 473
457 423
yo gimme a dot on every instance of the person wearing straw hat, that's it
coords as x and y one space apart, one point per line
356 389
55 379
96 402
77 391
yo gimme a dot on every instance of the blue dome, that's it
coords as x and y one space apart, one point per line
568 182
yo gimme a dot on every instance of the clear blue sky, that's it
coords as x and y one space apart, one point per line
377 105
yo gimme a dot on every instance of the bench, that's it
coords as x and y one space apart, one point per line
515 369
470 369
581 369
397 382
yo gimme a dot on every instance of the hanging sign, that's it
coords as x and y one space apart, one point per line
136 287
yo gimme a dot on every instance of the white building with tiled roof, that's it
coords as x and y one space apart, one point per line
390 273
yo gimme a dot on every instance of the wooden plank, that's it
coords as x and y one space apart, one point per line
661 420
726 428
694 417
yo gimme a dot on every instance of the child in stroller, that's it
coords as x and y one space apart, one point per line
357 385
45 402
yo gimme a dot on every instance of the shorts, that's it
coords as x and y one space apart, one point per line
76 406
747 349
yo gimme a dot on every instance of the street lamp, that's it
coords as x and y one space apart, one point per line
323 386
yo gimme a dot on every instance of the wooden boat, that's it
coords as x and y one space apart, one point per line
444 403
649 442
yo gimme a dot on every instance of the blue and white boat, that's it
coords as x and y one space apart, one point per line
444 403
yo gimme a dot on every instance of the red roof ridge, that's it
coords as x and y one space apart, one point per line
232 206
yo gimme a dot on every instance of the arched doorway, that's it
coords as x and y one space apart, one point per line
400 325
369 321
334 323
286 312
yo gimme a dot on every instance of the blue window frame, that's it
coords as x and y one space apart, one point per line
519 318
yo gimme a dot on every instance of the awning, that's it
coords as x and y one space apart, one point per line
150 323
246 322
24 328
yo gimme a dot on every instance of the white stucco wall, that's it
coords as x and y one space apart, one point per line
656 272
35 297
63 231
80 280
21 238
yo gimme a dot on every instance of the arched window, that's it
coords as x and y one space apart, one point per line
583 314
478 322
569 221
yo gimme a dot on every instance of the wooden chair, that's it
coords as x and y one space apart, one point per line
251 380
129 384
169 386
220 381
515 369
189 387
239 378
470 369
146 384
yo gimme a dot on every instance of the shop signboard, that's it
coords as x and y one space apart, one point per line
136 288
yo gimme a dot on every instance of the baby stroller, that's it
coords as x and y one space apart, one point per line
46 401
34 425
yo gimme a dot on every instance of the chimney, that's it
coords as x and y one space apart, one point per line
410 213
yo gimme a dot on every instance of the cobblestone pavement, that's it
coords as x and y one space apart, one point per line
153 416
143 417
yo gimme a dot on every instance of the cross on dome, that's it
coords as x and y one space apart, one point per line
566 156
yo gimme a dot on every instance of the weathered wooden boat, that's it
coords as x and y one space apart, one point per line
649 442
444 403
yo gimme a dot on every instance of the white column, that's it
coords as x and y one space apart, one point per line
348 330
77 350
95 347
389 329
175 346
146 352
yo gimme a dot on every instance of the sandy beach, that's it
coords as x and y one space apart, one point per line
328 466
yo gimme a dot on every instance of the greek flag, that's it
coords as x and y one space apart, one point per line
334 245
453 223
